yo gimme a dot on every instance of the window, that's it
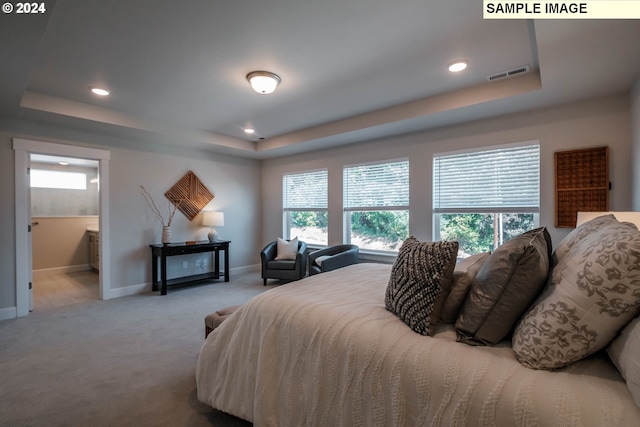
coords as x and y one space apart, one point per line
41 178
376 205
483 198
305 206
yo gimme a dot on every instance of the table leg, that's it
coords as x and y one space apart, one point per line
154 272
216 261
226 264
163 274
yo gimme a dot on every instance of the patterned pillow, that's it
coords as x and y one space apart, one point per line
592 293
419 282
504 288
580 233
463 275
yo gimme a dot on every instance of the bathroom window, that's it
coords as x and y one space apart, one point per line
62 180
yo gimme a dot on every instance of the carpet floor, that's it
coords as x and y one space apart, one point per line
124 362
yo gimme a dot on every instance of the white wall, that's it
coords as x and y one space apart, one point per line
234 181
587 124
635 145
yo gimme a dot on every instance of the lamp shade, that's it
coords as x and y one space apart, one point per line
213 219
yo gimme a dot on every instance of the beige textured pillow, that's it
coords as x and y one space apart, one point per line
593 292
504 288
286 250
624 352
463 275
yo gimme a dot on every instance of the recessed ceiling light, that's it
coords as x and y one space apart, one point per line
99 91
457 66
63 163
249 130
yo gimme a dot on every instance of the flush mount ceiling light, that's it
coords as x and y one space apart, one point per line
263 82
457 66
99 91
249 130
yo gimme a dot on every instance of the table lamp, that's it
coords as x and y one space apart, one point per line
213 219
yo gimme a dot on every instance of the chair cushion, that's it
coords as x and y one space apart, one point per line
287 249
285 264
322 258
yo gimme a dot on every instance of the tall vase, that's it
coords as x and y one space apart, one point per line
166 234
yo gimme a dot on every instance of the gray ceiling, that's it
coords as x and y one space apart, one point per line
351 70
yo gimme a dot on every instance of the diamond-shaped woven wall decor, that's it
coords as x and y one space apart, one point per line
190 195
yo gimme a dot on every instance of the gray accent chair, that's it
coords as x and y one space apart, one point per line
286 269
340 256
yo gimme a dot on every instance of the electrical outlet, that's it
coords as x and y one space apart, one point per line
185 265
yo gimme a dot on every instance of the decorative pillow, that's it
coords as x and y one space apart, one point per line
320 259
624 352
579 233
592 293
419 282
504 288
287 250
463 275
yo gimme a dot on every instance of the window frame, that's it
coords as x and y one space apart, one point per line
348 210
286 210
437 211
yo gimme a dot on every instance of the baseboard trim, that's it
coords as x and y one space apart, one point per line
146 287
245 269
129 290
8 313
65 269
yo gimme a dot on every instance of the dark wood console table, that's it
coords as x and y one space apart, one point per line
171 249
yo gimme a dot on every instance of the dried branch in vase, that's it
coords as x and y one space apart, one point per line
149 200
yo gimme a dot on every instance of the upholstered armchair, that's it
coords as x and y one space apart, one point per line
283 269
333 257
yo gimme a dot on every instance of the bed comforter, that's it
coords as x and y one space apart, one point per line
324 351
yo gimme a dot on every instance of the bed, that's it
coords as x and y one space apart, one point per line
324 351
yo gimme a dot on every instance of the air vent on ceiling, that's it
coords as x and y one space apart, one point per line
508 73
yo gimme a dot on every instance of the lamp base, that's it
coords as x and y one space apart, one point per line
213 235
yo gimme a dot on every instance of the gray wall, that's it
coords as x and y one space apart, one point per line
594 123
235 183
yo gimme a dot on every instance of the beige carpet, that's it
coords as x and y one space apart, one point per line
123 362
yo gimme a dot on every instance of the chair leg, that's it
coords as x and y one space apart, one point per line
265 281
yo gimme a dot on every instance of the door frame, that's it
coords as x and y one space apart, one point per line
23 148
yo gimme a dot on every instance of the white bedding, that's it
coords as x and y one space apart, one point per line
324 351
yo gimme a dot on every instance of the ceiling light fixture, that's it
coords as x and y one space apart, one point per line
99 91
249 130
263 82
457 66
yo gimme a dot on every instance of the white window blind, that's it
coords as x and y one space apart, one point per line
305 191
383 185
490 181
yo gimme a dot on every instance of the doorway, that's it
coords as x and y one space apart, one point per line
64 195
23 150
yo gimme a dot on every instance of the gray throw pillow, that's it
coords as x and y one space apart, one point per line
463 275
504 288
419 282
592 293
579 233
